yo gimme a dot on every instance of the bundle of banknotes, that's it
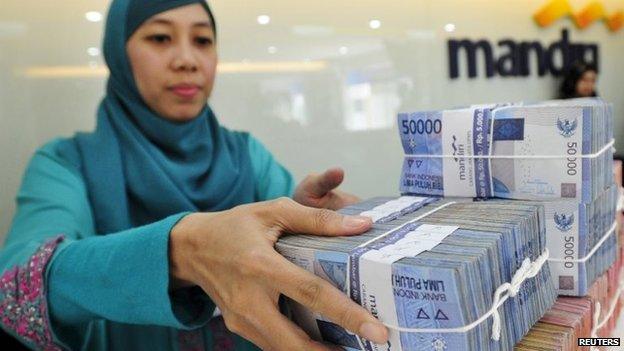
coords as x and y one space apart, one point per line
581 239
548 150
433 266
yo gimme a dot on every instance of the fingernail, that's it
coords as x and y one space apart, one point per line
374 332
355 221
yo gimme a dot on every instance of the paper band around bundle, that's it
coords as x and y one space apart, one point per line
540 157
394 208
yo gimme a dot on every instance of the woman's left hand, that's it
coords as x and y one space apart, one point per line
319 190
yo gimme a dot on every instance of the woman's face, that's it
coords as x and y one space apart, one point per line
174 59
587 84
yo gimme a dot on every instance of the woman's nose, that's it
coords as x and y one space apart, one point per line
184 59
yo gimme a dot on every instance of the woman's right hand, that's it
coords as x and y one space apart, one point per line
231 255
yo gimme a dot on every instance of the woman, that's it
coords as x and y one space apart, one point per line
126 238
579 81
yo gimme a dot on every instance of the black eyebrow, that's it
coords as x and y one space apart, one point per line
167 22
203 24
159 21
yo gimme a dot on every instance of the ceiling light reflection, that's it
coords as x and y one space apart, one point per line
101 71
93 16
93 51
374 24
264 20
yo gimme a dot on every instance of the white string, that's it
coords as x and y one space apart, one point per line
620 203
596 325
593 251
594 331
526 271
490 156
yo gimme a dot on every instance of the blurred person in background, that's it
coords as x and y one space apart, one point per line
579 81
128 237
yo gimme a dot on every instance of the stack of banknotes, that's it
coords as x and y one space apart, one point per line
549 150
504 207
573 317
581 238
434 264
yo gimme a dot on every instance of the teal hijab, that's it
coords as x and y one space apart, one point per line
139 167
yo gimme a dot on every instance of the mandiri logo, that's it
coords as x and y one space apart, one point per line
592 12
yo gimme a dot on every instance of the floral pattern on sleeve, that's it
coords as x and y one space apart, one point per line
23 304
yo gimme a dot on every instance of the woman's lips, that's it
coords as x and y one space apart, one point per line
185 91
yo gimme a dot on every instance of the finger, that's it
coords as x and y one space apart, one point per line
321 184
340 199
299 219
251 334
281 333
320 296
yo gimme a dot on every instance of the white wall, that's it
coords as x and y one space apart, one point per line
339 115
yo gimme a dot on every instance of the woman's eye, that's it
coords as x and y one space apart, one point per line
203 41
159 38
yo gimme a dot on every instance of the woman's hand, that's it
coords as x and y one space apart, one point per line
319 190
231 256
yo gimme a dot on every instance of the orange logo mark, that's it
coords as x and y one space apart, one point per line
594 11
